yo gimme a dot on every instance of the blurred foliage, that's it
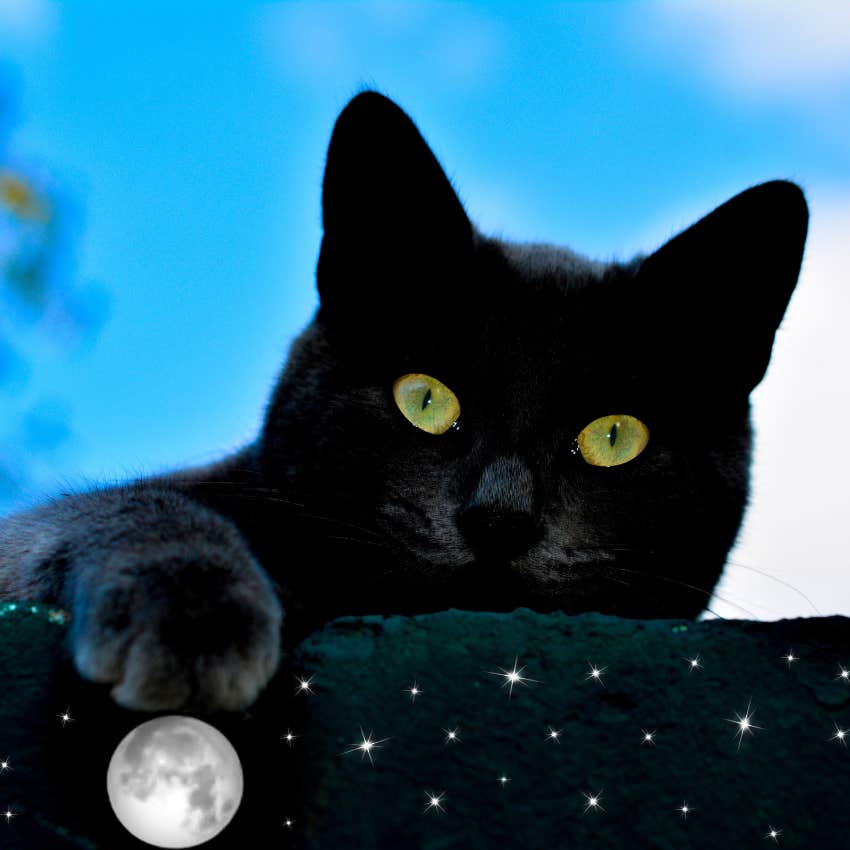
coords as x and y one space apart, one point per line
47 317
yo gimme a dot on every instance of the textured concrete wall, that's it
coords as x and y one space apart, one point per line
793 773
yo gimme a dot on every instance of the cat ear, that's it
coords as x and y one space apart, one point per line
394 228
719 290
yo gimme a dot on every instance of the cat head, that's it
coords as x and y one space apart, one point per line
504 424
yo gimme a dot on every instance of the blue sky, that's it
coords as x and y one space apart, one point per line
192 138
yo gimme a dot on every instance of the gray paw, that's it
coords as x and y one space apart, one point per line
172 630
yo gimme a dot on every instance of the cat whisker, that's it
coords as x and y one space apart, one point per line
376 543
680 583
251 491
740 566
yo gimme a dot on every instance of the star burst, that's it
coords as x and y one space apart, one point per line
790 658
843 674
8 814
685 810
595 673
289 737
512 677
305 686
452 736
773 833
434 801
693 663
414 690
5 765
553 735
593 801
65 717
366 745
744 722
648 736
840 734
504 780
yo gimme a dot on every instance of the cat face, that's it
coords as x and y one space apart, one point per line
509 424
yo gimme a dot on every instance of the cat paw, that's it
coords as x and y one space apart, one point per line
174 631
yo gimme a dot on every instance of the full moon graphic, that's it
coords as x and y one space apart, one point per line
174 781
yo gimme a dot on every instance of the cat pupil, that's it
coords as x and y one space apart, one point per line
427 400
612 434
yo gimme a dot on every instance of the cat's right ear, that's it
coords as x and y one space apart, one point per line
395 232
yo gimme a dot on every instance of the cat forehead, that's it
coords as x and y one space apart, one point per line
545 260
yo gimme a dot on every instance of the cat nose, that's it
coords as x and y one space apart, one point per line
499 519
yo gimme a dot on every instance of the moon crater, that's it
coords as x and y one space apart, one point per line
174 781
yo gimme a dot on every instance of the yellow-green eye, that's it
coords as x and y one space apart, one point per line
426 403
612 440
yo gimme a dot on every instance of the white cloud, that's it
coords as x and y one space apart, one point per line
27 22
350 44
797 527
755 47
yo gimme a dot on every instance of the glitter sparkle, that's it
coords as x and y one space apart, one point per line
843 674
8 814
773 833
595 673
685 810
647 737
414 690
366 745
744 722
512 677
693 663
289 823
435 801
452 736
504 780
593 801
305 686
5 765
65 717
289 737
790 658
553 735
840 734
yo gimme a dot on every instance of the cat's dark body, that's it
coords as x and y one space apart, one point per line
178 585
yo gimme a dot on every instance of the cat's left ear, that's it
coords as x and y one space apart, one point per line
395 232
717 292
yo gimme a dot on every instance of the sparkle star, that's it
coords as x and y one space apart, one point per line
512 677
504 780
693 663
685 810
289 737
593 801
366 745
790 658
435 801
840 734
5 765
305 686
414 690
8 814
647 737
289 823
773 833
745 724
452 736
595 673
65 717
554 735
843 674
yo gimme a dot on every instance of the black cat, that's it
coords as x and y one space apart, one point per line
466 423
